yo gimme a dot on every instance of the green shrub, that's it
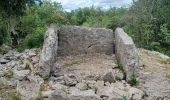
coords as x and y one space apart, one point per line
133 81
36 39
120 67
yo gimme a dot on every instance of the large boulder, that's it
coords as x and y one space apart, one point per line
49 51
126 53
74 40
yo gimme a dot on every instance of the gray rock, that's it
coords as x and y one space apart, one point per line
127 53
49 52
76 40
117 90
28 90
118 75
47 94
135 94
20 75
99 84
59 79
58 95
109 77
81 86
70 80
4 61
2 73
91 84
3 80
154 53
35 60
36 79
13 82
57 86
76 94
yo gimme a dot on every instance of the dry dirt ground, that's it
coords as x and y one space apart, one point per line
94 65
154 76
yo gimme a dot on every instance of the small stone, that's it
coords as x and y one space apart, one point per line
109 77
13 82
81 86
107 84
20 75
2 73
4 61
47 94
76 94
99 84
36 79
57 86
58 95
91 84
28 90
118 75
70 80
135 94
35 60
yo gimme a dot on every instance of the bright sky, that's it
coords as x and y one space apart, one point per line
69 5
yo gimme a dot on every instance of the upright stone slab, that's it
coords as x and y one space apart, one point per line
74 40
49 51
126 53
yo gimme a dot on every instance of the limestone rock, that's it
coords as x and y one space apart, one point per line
126 53
109 77
117 90
76 40
49 52
20 75
28 90
57 86
91 84
47 94
70 80
81 86
135 94
76 94
4 61
99 84
59 95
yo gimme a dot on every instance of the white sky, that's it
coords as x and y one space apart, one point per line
74 4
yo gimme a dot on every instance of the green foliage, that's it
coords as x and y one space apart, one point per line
133 81
36 39
120 67
148 22
96 17
123 98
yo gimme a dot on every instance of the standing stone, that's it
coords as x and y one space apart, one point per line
75 40
126 53
49 51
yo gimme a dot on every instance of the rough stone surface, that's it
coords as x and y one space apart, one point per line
109 77
81 86
126 53
155 85
76 94
49 51
74 40
28 90
58 95
20 75
70 80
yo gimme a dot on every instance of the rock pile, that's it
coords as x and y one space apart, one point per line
20 73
